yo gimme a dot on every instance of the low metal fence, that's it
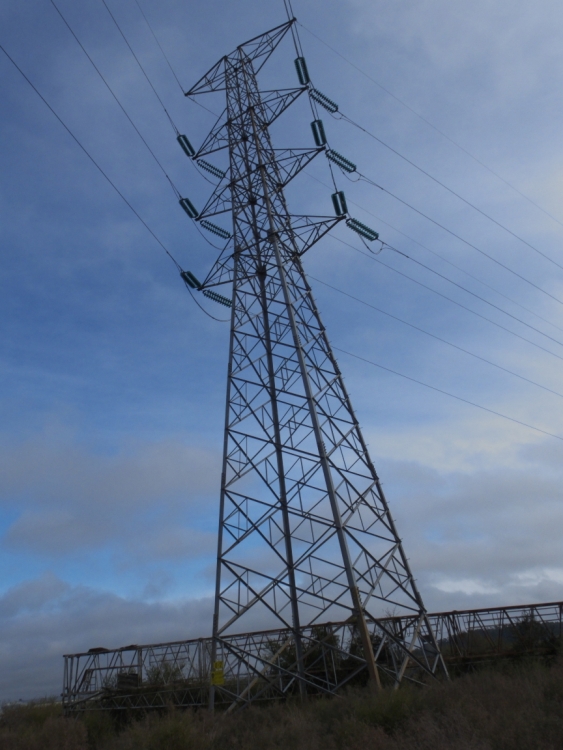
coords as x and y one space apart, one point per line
260 665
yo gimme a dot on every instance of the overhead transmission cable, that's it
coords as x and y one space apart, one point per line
446 393
461 239
178 194
160 47
179 268
174 188
469 244
287 3
177 265
434 336
444 296
105 175
196 101
333 110
94 162
298 49
439 255
141 67
451 281
450 190
473 294
112 92
294 34
454 283
209 315
459 268
430 124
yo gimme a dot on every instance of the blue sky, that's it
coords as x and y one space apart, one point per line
113 381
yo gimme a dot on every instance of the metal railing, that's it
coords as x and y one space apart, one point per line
259 665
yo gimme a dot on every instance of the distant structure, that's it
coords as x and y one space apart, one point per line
306 537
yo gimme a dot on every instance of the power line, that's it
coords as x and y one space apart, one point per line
195 100
430 124
446 393
473 294
408 205
99 168
438 255
455 283
494 260
160 47
434 336
178 194
361 301
444 296
89 155
140 66
344 117
199 104
160 100
98 71
294 34
453 192
457 236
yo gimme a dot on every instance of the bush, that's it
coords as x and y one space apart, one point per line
514 706
40 726
175 730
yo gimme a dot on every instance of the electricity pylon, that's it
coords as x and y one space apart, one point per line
306 537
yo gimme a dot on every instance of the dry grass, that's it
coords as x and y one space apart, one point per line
510 708
40 727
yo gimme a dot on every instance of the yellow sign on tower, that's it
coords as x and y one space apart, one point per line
217 673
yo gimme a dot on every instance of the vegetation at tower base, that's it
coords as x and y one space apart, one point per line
513 705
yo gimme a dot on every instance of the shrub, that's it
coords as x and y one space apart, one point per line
516 705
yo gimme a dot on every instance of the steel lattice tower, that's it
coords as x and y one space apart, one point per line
306 537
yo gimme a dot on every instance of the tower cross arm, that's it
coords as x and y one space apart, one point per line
258 49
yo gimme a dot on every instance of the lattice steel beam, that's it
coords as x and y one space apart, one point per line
259 666
305 533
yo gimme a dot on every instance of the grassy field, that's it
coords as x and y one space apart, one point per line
505 708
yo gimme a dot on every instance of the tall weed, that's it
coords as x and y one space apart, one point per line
512 707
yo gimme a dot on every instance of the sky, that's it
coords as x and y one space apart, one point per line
113 380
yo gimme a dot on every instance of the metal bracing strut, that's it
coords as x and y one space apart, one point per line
306 537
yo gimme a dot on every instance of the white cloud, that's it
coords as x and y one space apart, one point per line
45 618
466 586
491 536
533 578
70 498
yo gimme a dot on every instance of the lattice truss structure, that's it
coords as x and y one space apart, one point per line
161 674
305 535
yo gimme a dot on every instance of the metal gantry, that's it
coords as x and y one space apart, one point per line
179 673
305 532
